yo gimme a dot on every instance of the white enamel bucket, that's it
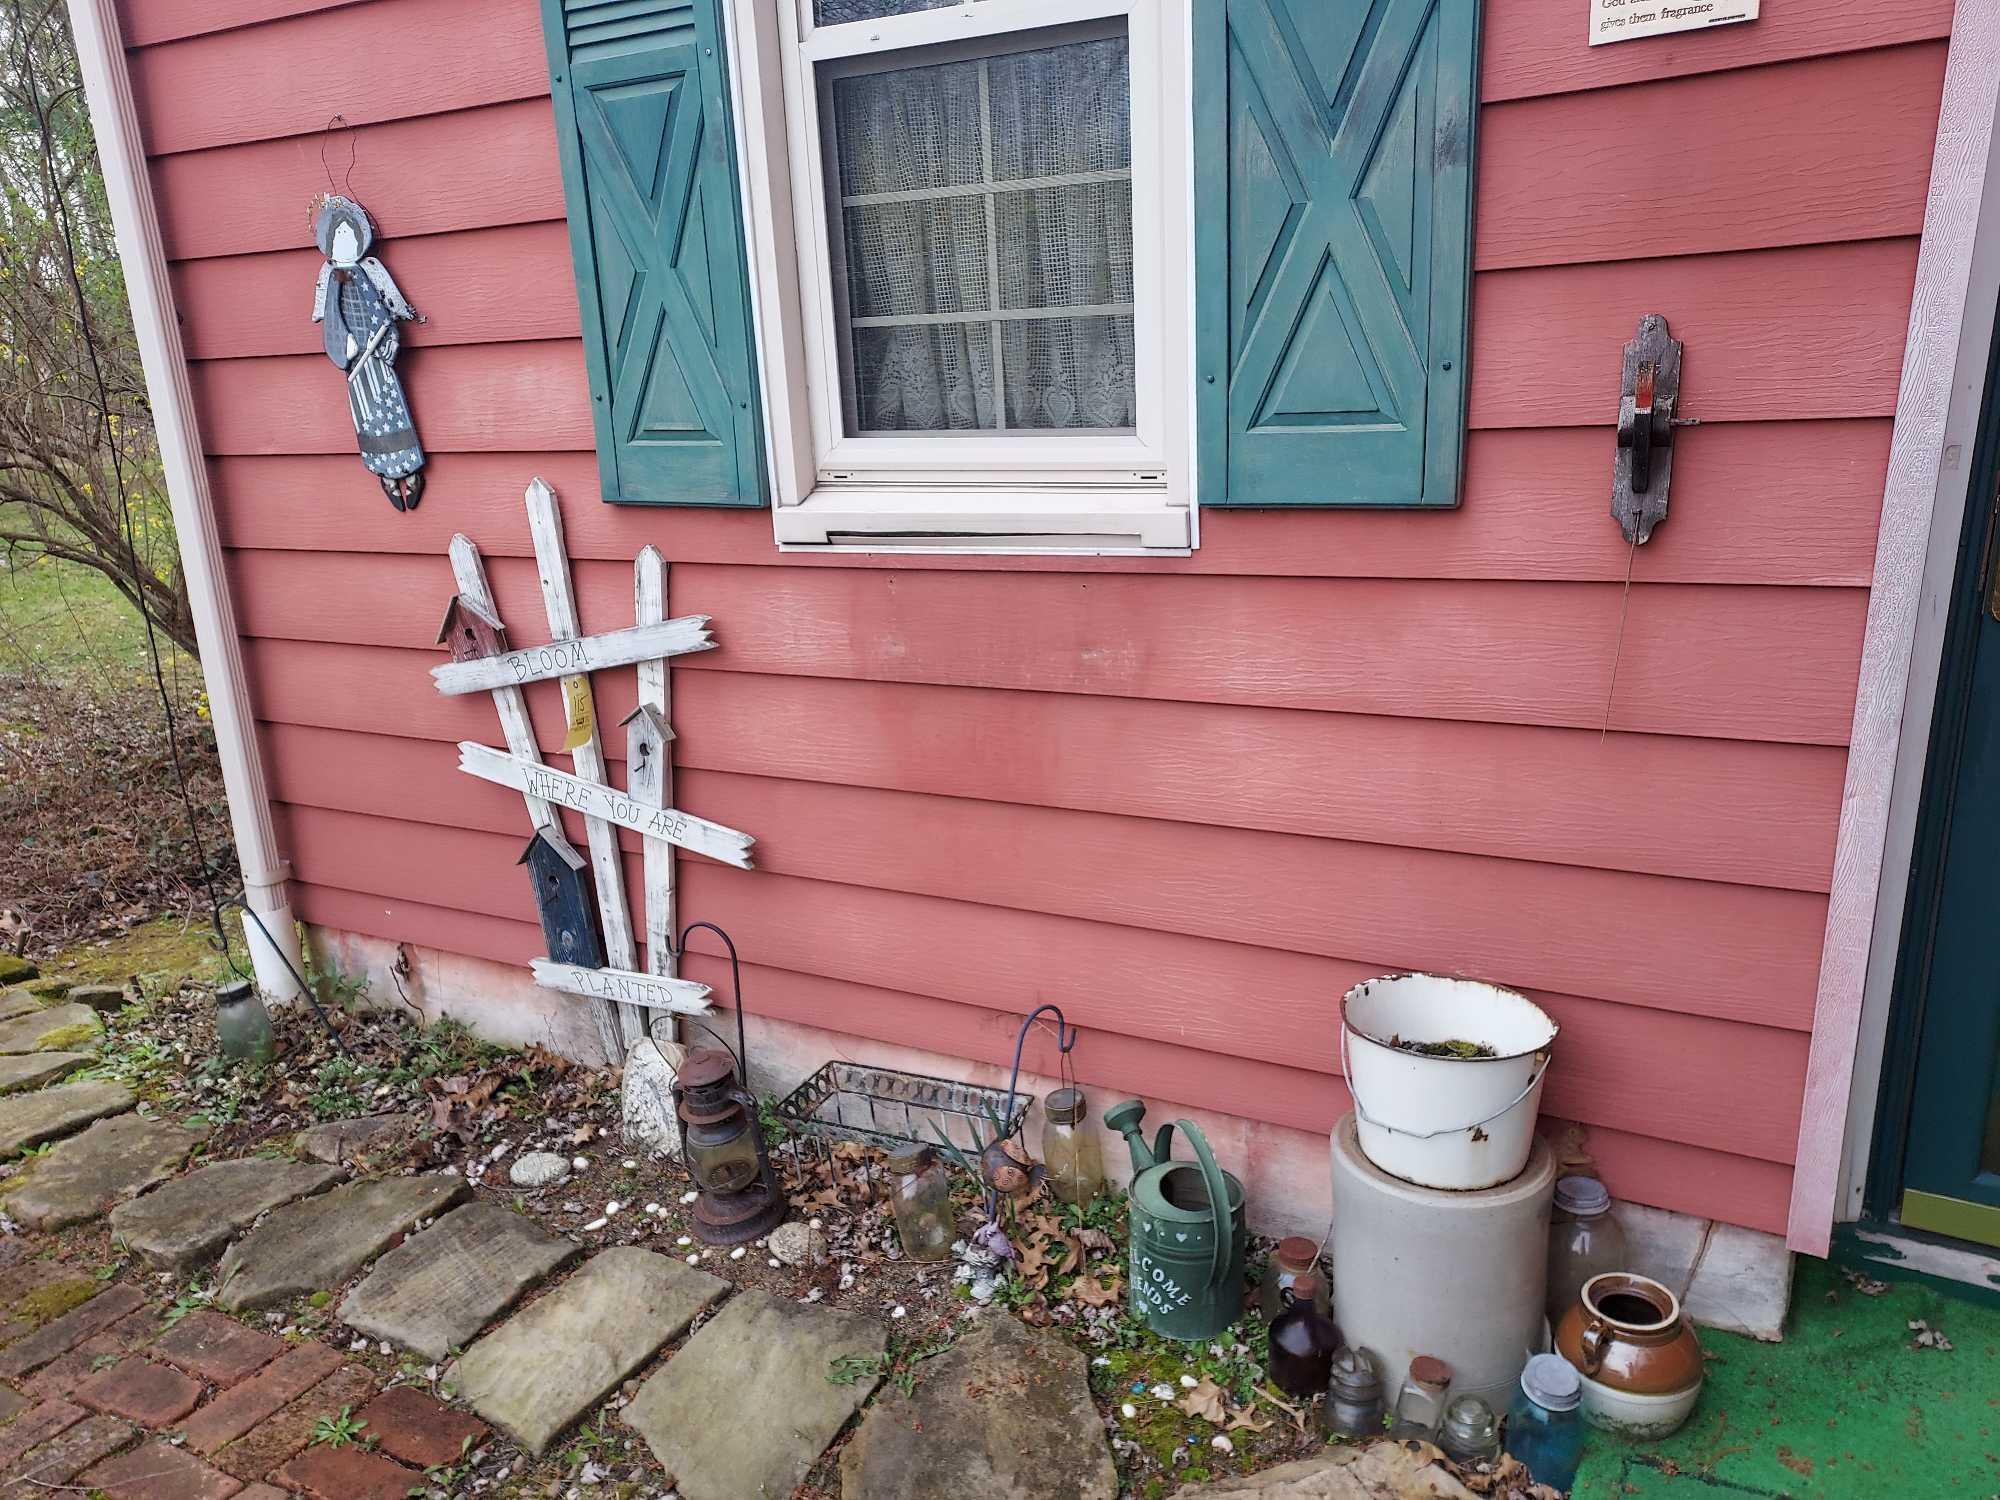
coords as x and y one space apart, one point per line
1445 1122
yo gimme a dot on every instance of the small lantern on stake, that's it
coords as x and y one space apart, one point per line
740 1198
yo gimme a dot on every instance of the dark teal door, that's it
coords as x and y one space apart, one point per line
1950 995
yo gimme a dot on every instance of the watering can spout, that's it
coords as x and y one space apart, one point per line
1126 1118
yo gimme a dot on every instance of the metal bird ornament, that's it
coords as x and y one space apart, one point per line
358 305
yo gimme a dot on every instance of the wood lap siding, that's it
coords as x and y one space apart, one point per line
1190 799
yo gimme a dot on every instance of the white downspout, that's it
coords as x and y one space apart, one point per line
115 118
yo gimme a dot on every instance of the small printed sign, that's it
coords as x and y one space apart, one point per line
1623 20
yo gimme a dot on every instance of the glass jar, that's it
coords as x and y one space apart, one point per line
1303 1341
1353 1396
1471 1433
1584 1241
1295 1257
1544 1428
242 1025
921 1202
1070 1150
1420 1404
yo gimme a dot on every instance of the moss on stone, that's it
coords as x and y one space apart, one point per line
48 987
16 970
47 1303
70 1038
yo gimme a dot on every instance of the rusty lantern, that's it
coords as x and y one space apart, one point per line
740 1197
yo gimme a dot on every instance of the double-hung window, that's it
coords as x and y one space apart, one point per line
971 247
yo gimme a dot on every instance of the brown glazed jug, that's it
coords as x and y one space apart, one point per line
1640 1361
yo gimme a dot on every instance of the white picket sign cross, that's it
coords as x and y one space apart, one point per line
613 806
624 987
588 653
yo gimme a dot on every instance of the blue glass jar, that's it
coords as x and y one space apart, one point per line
1544 1428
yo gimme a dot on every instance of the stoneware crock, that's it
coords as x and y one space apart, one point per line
1641 1363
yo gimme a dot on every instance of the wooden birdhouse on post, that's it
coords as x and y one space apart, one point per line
469 632
646 738
563 896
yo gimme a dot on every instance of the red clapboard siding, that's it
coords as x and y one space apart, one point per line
146 21
1529 49
1169 988
391 59
477 286
1766 664
1755 814
1664 1173
473 168
1532 510
1753 319
1509 921
1849 137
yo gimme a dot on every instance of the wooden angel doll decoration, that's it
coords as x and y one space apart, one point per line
358 305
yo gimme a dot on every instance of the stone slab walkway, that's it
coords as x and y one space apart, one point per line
32 1070
17 1002
436 1290
65 1028
320 1242
759 1366
1005 1413
540 1371
188 1222
345 1140
84 1176
48 1114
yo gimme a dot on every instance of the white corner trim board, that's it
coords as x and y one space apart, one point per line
586 653
273 938
653 991
1944 355
595 800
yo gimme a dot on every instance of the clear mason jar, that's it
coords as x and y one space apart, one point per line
1584 1241
921 1203
1070 1149
1420 1404
242 1025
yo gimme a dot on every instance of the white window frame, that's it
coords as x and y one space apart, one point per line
1028 492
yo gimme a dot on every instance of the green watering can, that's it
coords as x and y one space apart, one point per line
1186 1231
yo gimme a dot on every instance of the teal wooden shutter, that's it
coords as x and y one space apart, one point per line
1332 293
642 119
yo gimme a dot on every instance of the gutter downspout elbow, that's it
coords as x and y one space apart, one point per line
114 117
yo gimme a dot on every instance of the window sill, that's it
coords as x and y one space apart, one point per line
1092 522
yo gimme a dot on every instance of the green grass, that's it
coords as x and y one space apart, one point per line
1846 1408
68 622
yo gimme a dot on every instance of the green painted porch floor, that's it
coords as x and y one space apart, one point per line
1845 1407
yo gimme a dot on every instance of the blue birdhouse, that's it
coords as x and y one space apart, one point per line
564 898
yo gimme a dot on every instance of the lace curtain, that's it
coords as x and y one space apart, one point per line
986 213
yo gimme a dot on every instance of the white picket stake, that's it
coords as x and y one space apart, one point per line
509 702
597 801
652 782
620 648
558 597
628 989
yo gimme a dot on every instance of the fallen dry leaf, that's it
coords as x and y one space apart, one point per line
1205 1401
1094 1293
1244 1419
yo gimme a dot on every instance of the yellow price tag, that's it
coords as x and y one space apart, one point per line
578 716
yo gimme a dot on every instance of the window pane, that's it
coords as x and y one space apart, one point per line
1069 372
995 185
836 12
934 377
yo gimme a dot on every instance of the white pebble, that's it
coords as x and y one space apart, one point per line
1189 1381
595 1224
738 1253
683 1240
694 1260
815 1294
775 1264
1163 1392
1128 1411
630 1165
689 1197
898 1313
654 1208
612 1207
814 1224
1221 1444
580 1162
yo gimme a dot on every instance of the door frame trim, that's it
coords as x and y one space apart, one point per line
1938 399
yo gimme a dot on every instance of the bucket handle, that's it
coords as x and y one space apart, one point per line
1218 1202
1361 1109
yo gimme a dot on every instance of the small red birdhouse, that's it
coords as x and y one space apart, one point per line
469 632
